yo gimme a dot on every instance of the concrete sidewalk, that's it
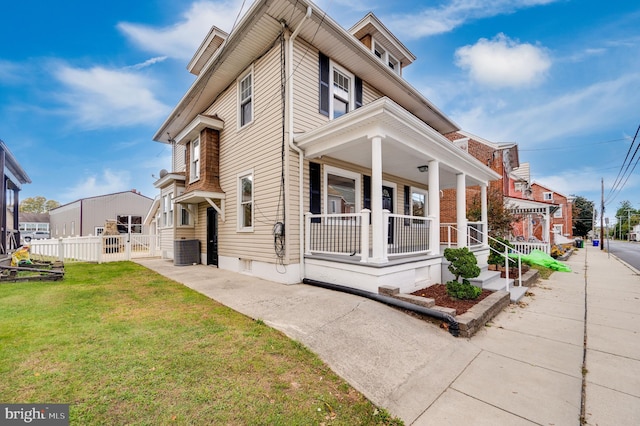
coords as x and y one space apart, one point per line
525 368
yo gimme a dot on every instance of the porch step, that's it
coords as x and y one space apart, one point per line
485 278
516 293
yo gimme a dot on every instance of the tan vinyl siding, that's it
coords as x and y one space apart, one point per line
179 158
255 147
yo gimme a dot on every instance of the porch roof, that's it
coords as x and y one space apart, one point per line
521 206
407 142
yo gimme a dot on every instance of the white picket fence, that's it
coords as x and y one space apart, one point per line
110 248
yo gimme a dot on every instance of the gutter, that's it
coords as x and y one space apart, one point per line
292 145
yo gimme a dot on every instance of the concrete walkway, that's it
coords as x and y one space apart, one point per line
525 368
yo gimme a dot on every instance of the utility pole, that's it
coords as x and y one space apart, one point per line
602 217
629 226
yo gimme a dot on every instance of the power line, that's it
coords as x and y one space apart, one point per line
575 146
618 184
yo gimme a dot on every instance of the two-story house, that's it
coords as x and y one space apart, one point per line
300 151
561 224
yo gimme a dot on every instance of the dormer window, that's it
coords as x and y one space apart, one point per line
386 57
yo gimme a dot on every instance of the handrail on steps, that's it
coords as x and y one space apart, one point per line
507 249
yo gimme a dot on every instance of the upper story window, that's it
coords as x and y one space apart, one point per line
340 91
386 57
245 201
195 160
558 213
547 196
245 95
167 210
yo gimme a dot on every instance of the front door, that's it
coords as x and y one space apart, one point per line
387 203
212 236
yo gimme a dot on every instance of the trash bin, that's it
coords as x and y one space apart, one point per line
596 243
580 243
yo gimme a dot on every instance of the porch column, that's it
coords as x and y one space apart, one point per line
546 235
483 214
461 209
377 223
434 206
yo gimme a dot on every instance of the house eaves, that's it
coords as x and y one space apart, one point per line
17 174
405 136
257 32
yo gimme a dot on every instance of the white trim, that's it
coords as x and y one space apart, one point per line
239 177
424 193
327 170
194 172
239 81
352 88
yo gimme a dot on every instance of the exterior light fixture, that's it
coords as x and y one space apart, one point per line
423 168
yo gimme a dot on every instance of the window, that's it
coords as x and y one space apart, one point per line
245 88
99 230
558 213
418 202
340 91
548 196
342 191
167 210
195 160
245 201
386 57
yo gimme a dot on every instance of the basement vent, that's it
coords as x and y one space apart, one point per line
186 252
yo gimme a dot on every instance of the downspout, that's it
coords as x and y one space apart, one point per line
289 61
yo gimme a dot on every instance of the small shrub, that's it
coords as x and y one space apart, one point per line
463 264
498 258
463 290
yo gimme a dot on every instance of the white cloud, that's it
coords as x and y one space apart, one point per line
183 38
452 14
98 97
503 62
109 182
10 73
581 112
147 63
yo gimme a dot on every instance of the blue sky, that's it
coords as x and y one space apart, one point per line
84 85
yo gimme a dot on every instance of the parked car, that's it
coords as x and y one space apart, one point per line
37 235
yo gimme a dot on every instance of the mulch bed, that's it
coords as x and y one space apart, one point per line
438 292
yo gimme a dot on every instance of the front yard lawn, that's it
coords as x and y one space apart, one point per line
124 345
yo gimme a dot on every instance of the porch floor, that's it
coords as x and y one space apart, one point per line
356 260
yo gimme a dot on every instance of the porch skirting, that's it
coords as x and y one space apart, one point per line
407 274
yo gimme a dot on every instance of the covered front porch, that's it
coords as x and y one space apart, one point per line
402 161
533 230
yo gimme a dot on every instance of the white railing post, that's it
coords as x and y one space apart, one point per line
99 248
385 234
307 233
365 214
506 268
519 271
127 249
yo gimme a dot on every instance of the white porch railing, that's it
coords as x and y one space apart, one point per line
449 234
107 248
351 234
526 248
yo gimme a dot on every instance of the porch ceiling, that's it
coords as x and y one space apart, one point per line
407 142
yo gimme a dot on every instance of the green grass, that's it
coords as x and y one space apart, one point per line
544 272
124 345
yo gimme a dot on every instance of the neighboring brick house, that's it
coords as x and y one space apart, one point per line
300 151
502 158
562 216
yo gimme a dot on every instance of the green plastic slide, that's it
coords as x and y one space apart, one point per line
537 257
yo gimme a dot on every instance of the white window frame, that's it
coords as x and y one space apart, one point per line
240 203
194 160
385 57
167 210
547 196
557 227
250 98
330 170
352 88
425 194
98 230
558 213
